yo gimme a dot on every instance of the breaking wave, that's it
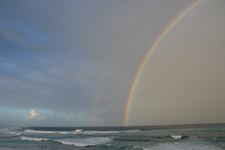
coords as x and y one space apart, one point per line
9 134
79 131
51 132
80 142
176 136
35 131
183 137
98 132
23 138
106 132
83 142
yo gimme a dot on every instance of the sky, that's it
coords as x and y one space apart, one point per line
73 62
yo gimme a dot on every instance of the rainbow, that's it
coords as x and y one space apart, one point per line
156 43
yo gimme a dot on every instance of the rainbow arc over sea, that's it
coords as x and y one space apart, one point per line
151 50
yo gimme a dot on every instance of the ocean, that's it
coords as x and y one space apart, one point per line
176 137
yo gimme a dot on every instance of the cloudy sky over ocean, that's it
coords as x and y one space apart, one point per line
72 63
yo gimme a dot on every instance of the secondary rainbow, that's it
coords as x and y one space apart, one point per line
156 43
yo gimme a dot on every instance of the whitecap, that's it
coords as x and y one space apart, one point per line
78 130
14 133
23 138
49 132
96 132
64 132
176 136
83 142
103 132
34 131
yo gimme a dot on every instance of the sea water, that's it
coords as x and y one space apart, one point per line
180 137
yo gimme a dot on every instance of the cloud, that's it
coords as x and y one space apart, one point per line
37 116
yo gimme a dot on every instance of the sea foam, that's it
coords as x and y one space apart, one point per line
104 132
98 132
176 136
33 139
83 142
79 131
14 133
80 142
49 132
34 131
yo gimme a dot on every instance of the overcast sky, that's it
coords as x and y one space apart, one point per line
72 63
